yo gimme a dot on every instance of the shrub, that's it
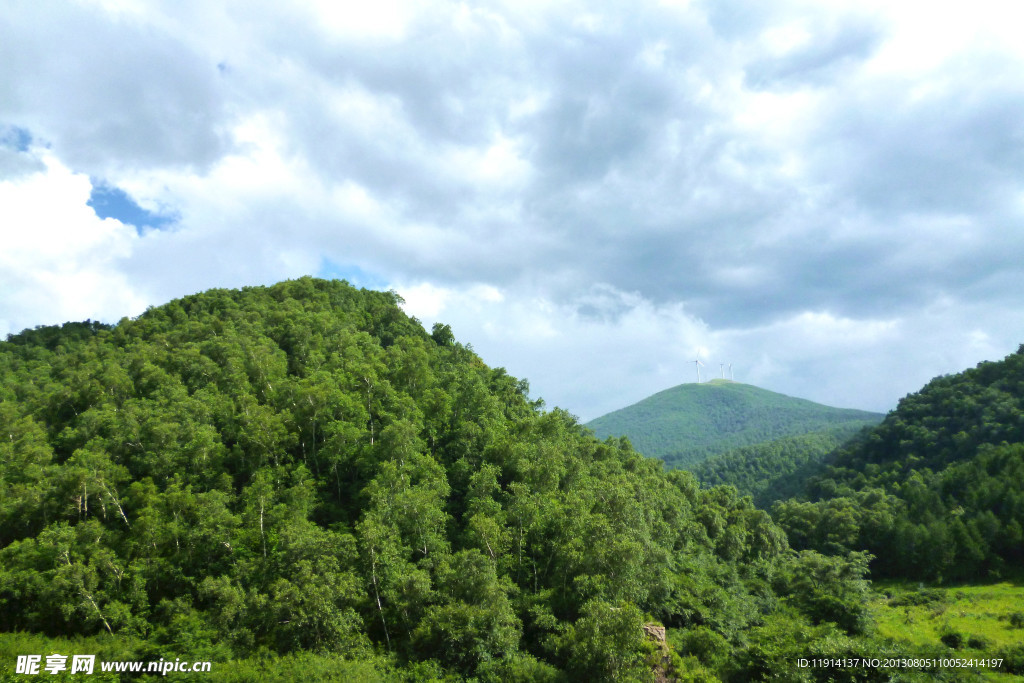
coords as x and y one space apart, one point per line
930 596
978 642
1013 659
710 647
952 639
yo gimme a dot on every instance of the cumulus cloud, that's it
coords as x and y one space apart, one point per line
110 90
595 353
587 194
58 257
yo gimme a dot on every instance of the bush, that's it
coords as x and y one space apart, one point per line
952 639
692 670
1017 620
605 644
1013 659
828 588
710 647
978 643
931 596
519 668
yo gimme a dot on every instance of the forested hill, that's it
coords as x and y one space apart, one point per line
778 469
936 491
301 476
691 422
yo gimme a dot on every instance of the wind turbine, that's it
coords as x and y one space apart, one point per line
697 362
721 366
730 372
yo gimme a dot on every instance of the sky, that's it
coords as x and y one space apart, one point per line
826 196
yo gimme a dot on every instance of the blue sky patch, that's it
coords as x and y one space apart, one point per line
353 274
113 202
15 138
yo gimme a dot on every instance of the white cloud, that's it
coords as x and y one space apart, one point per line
598 352
59 261
361 20
606 349
588 195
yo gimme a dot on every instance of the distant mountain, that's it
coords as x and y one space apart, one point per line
692 422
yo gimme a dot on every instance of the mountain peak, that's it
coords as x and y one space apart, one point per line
687 423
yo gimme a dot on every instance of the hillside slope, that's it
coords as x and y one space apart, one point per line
691 422
778 469
936 491
304 469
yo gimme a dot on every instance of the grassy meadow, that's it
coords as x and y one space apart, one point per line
969 621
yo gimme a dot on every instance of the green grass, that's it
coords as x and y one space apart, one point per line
981 617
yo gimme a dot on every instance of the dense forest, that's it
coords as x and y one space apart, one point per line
690 423
302 473
775 470
936 491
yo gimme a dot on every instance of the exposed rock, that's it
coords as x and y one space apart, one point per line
661 661
655 632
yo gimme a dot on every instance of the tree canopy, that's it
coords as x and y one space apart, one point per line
303 468
936 491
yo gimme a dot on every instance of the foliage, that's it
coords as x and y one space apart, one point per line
1013 659
774 470
828 589
952 639
930 597
936 491
301 476
605 644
